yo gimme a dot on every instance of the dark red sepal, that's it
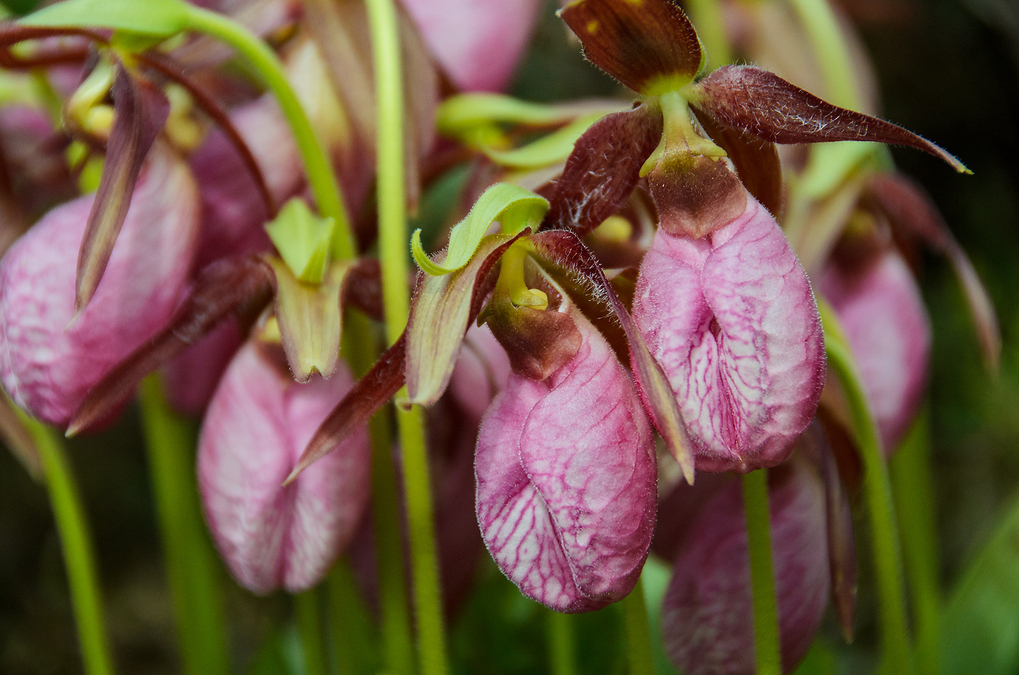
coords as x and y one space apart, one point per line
749 99
237 286
370 393
603 169
565 249
909 208
648 45
140 110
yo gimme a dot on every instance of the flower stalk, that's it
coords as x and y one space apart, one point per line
638 632
192 572
76 542
393 238
762 573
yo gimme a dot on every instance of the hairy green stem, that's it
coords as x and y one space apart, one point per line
396 300
762 573
190 561
638 632
353 638
914 501
76 542
308 608
561 643
321 176
394 609
877 491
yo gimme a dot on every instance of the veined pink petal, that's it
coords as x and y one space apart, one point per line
883 316
566 493
707 614
257 425
732 320
478 42
47 361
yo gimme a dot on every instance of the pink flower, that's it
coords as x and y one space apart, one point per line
707 615
566 484
477 42
732 320
257 425
49 358
883 316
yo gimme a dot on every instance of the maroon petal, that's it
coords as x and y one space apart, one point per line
650 46
140 111
603 169
909 208
707 615
566 481
762 103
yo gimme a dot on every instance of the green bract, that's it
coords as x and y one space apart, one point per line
515 207
555 147
302 240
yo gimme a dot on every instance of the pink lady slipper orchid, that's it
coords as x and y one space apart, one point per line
731 318
707 613
477 42
270 535
50 357
879 306
565 468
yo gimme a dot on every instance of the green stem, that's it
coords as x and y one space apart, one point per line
710 23
308 608
190 561
394 609
354 642
877 491
832 52
76 542
321 176
762 573
395 272
561 643
914 499
638 632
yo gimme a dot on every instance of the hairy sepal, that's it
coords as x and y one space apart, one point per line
648 45
140 111
761 103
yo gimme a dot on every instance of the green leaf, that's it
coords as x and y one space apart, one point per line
158 18
515 207
302 239
550 149
980 629
466 111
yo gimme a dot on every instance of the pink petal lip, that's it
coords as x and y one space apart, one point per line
566 481
884 319
257 425
733 322
478 42
707 614
47 361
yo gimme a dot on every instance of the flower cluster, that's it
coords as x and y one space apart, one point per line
637 269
